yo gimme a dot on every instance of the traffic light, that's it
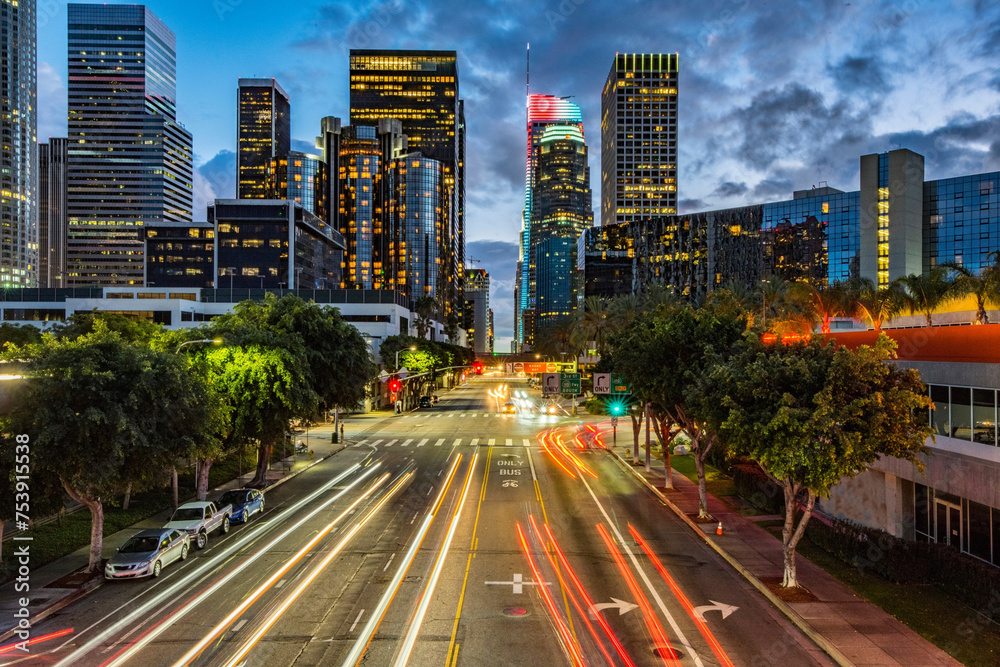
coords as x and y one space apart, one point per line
395 385
478 367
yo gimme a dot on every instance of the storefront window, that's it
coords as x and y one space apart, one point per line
939 395
984 417
961 413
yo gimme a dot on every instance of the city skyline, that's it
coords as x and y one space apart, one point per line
857 91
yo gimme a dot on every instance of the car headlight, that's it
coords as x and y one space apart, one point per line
143 564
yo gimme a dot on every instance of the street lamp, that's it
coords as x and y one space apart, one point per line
215 341
412 348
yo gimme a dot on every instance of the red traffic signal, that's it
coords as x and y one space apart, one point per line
478 367
395 385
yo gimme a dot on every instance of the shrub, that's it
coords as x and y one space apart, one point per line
594 406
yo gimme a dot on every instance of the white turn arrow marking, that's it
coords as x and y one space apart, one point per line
726 609
622 606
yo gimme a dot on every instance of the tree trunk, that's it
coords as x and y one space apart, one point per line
173 485
665 437
128 496
96 526
699 463
259 480
792 533
635 439
202 482
1 542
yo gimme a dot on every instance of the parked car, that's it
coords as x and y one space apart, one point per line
509 408
425 401
146 553
199 519
245 502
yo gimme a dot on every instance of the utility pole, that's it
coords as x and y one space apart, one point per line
646 407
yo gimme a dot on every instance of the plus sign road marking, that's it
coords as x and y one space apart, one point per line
518 583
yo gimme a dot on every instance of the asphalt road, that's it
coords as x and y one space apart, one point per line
448 537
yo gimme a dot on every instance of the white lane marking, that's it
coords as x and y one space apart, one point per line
280 583
406 443
517 583
475 441
439 442
422 442
527 443
388 563
491 442
510 443
645 579
531 463
355 623
236 628
473 415
391 443
458 441
414 518
376 442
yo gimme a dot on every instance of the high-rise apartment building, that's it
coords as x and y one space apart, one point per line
264 132
18 156
420 89
543 111
639 138
302 178
130 162
52 174
477 318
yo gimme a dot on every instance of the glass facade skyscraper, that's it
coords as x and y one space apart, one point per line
359 179
542 111
420 89
52 165
18 152
639 138
264 132
302 178
130 162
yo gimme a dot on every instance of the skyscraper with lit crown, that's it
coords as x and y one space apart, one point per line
639 138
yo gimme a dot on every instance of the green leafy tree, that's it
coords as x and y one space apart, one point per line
982 285
663 358
811 415
19 334
104 414
130 330
926 293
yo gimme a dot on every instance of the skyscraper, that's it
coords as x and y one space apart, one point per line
52 164
477 323
302 178
130 162
264 120
420 88
543 110
18 157
561 212
639 138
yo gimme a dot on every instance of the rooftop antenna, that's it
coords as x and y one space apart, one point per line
527 75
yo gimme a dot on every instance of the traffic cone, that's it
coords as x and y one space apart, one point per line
718 531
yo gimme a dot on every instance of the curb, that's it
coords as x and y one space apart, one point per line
96 583
782 606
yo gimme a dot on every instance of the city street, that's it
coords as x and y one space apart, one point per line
449 536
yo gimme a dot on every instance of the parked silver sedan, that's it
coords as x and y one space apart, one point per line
146 553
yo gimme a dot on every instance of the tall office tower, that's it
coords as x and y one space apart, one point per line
264 121
561 212
543 110
420 88
358 180
130 162
414 221
18 157
302 178
52 164
639 138
477 314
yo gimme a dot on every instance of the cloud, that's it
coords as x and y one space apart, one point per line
730 189
215 179
52 103
861 75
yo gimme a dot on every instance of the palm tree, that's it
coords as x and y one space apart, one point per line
875 304
594 321
984 285
822 304
424 308
926 292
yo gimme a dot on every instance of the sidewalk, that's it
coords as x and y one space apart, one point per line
61 582
850 629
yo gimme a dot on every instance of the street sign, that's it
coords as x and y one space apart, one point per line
569 383
550 383
602 383
403 372
383 376
618 385
539 367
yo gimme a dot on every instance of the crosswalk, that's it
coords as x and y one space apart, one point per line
450 415
458 442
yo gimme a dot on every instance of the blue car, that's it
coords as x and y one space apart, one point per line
245 502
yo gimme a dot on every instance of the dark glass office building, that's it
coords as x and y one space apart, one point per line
18 156
181 255
52 174
557 288
264 122
266 243
359 180
130 162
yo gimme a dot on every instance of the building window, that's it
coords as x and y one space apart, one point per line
939 416
978 530
921 513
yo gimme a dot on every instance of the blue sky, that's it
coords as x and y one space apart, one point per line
773 96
